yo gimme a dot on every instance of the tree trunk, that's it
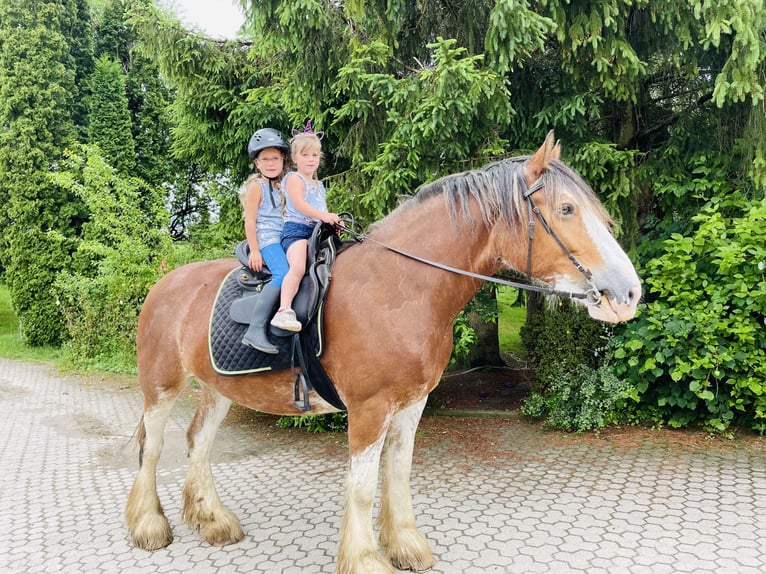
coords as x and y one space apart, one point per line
486 351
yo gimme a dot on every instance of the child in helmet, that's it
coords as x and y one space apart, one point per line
306 205
264 205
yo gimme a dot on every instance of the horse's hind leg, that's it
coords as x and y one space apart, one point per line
147 525
399 538
202 508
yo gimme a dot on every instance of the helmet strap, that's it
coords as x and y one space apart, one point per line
271 192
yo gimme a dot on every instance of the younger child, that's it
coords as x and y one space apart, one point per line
306 205
264 205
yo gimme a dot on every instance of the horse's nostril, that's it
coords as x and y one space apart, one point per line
634 294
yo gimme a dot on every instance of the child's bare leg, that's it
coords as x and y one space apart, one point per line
296 257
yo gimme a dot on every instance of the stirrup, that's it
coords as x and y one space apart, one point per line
301 387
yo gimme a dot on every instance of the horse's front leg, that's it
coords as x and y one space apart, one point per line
202 507
357 550
399 538
147 524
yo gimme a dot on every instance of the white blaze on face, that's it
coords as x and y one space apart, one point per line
617 279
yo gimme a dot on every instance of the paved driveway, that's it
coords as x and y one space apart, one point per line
493 496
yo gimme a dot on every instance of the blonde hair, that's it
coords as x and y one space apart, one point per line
243 188
305 142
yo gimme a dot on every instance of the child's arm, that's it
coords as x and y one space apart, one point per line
296 189
253 197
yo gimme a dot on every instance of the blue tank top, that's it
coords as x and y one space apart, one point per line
269 222
316 197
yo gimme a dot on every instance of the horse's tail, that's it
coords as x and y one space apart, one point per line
137 440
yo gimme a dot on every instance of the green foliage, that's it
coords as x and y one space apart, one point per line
579 399
110 124
464 338
122 254
332 422
210 79
36 94
599 33
433 118
575 388
36 257
741 78
515 31
12 346
697 352
512 315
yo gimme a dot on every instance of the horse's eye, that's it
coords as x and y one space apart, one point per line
566 209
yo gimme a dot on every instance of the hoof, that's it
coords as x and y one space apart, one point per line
219 529
410 551
151 532
218 535
368 563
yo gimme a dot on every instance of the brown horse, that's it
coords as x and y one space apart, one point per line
388 331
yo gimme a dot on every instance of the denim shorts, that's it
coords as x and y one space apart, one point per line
293 232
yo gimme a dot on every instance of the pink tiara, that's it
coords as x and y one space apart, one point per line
307 130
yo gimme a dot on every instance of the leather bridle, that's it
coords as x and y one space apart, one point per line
592 295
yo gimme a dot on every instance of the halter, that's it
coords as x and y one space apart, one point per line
591 296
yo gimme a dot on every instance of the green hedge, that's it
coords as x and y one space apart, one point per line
575 388
696 353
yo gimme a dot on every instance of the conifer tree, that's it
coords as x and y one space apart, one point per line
109 124
37 87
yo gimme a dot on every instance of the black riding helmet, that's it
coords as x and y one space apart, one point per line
265 138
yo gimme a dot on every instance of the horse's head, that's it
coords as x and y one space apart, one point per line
578 251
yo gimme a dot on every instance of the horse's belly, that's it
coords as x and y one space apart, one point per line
272 393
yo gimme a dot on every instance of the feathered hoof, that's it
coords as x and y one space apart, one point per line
368 563
415 565
220 534
219 528
151 532
410 551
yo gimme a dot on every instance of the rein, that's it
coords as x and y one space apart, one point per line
591 296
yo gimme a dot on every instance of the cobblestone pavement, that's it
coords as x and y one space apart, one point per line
492 496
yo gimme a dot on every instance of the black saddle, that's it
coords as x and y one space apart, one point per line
232 310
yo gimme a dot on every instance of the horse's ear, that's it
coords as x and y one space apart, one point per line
538 163
556 151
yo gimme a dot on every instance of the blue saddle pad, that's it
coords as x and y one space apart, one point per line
227 353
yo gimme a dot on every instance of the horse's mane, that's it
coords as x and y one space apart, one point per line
497 189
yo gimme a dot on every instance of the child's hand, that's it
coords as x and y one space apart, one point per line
333 219
255 260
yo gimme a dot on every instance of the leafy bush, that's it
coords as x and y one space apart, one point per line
464 338
575 388
332 422
697 350
579 398
120 256
38 256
